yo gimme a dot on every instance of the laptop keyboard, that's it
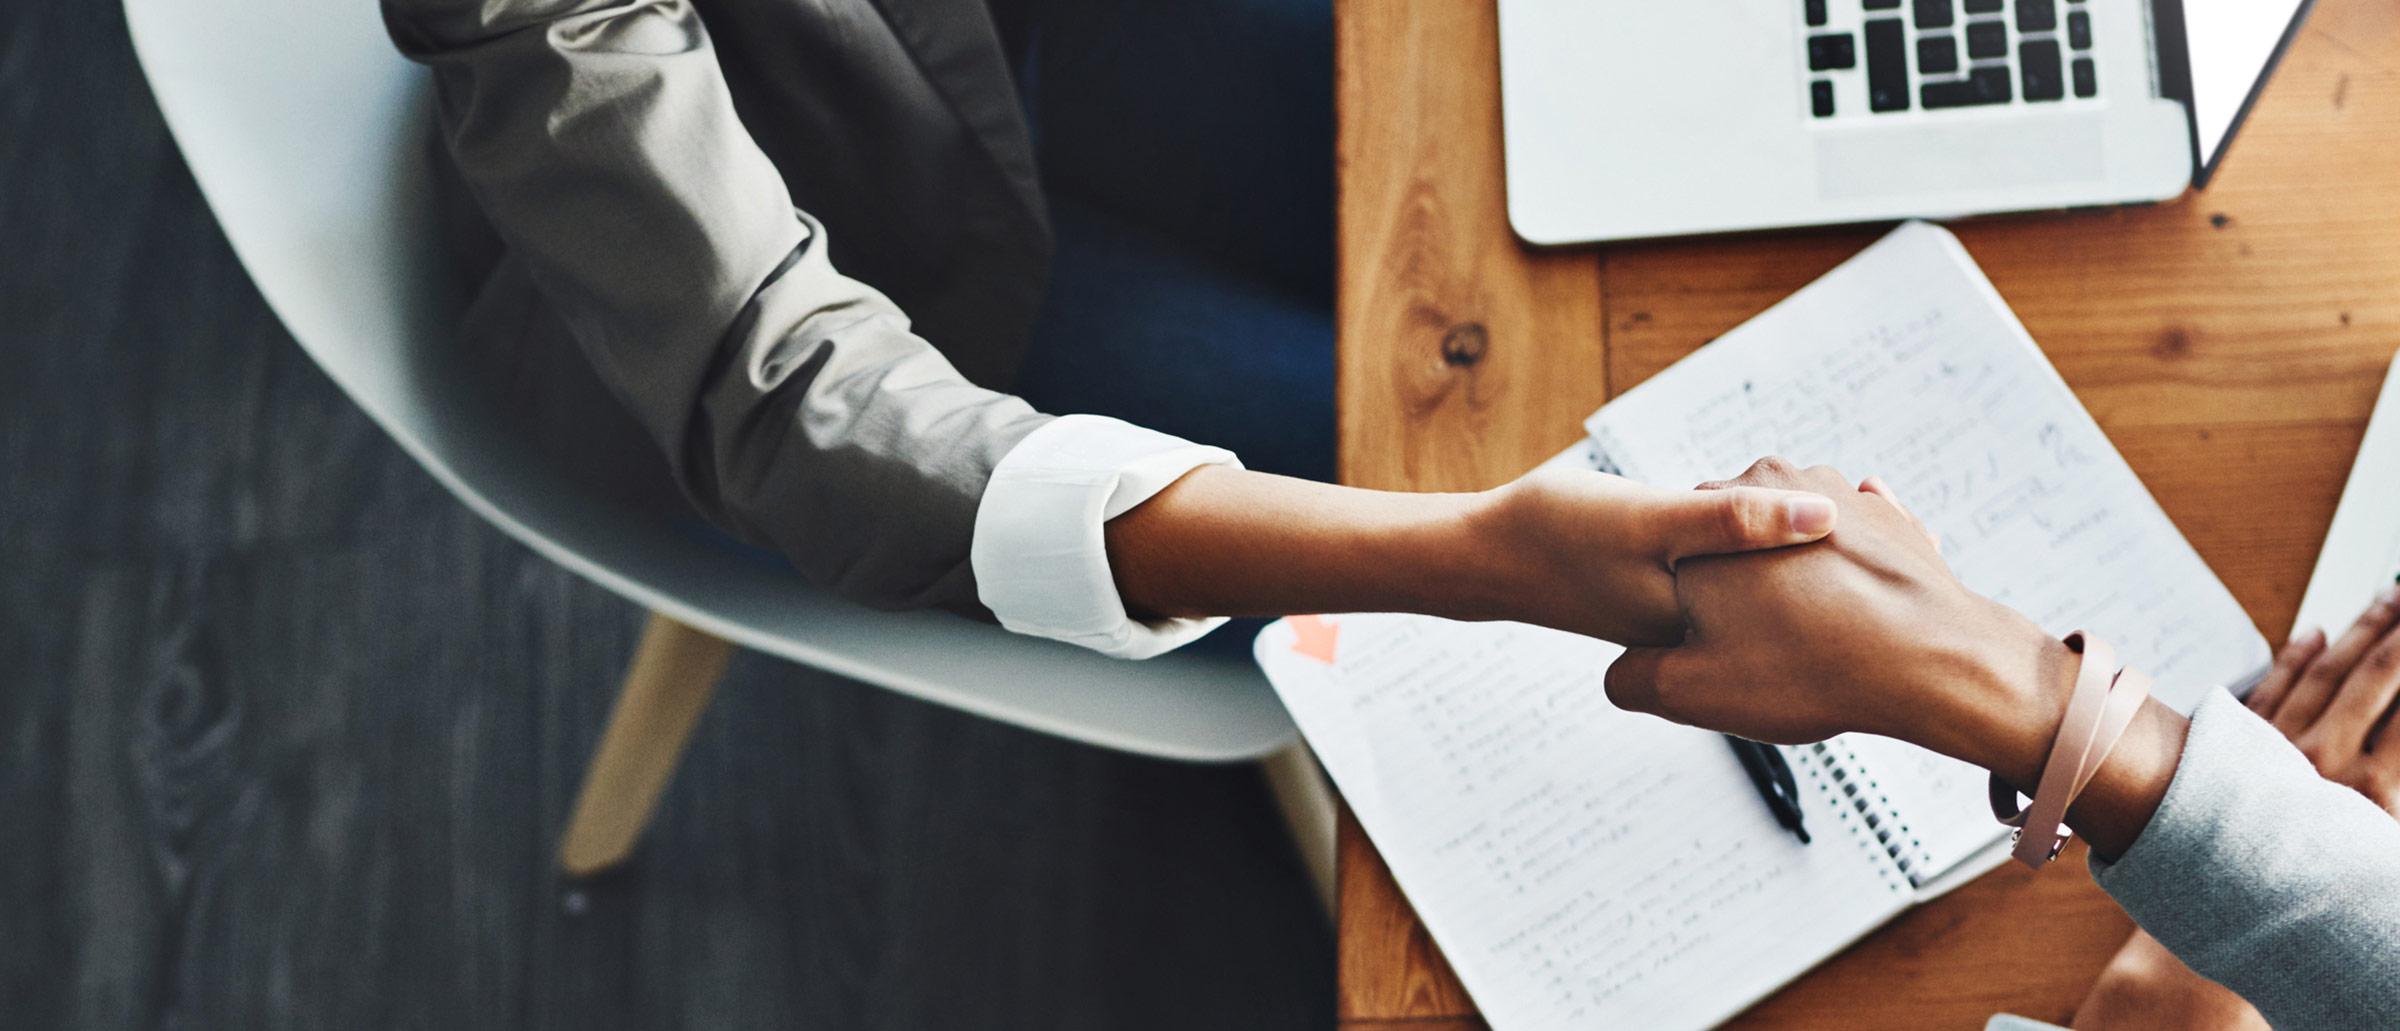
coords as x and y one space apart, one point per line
1934 55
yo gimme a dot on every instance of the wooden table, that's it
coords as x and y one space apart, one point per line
2230 343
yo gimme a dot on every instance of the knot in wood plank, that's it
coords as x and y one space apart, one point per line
1465 344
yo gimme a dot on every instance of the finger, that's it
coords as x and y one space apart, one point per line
1771 471
1718 522
2268 695
2364 696
1639 679
2315 688
1824 478
2383 747
1875 485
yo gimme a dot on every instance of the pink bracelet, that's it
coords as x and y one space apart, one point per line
2103 705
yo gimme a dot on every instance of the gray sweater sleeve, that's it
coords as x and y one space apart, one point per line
2269 879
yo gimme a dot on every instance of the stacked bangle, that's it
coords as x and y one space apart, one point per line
2105 700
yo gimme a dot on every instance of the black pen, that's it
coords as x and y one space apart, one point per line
1773 777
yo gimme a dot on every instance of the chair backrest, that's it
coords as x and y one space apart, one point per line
308 132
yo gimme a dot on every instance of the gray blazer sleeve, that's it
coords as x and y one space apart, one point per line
793 403
2269 879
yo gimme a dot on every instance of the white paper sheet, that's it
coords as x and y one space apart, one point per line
1580 866
2362 548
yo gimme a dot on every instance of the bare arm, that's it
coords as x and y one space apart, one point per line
1580 551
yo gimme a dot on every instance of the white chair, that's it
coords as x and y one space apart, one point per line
307 133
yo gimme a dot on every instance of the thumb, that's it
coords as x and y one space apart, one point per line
1635 681
1716 522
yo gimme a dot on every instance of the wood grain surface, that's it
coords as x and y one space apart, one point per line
2229 342
1461 357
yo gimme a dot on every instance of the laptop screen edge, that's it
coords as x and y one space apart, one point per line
2177 74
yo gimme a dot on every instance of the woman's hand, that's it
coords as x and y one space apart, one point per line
2335 701
1866 631
1596 554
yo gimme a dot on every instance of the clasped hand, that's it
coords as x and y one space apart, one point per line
1865 629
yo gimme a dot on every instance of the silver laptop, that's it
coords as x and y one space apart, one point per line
1642 118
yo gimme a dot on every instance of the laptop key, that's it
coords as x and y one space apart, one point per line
1820 98
1933 14
2087 82
1887 65
1987 39
1986 85
1829 52
1881 5
1937 55
2079 30
2043 76
2037 15
1815 9
1984 6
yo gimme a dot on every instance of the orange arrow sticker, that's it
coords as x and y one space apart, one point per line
1313 637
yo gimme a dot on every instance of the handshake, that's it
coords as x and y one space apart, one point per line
1785 605
1790 605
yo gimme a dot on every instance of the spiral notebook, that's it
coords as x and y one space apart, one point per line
1586 867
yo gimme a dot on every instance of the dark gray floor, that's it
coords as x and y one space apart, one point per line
286 734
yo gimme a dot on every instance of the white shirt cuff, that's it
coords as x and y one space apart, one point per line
1040 557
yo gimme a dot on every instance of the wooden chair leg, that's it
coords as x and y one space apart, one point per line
1306 799
674 672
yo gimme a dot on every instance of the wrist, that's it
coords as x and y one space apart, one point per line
2017 693
2114 810
1507 561
1462 557
2011 722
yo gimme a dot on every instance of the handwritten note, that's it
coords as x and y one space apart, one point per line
1581 866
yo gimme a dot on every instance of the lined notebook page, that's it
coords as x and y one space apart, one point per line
1904 363
1580 866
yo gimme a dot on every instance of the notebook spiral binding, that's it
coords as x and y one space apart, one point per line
1877 826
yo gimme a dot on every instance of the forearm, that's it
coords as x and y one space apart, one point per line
1568 549
1225 541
